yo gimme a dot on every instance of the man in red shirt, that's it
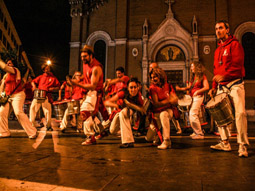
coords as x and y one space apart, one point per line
93 86
120 85
228 77
47 82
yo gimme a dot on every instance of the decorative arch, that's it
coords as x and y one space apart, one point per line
244 28
101 36
171 41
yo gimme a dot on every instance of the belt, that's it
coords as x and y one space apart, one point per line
230 84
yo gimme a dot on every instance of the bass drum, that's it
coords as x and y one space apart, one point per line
221 110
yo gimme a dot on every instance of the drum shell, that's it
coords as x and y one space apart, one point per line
40 94
222 112
73 107
59 109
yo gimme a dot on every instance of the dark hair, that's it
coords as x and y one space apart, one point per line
14 61
89 50
133 79
121 69
226 24
43 66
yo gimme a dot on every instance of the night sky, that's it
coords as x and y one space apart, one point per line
44 27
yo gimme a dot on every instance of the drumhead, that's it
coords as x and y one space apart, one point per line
217 99
185 101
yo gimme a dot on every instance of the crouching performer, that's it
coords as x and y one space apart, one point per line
93 85
131 101
161 106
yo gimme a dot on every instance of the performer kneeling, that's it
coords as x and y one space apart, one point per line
121 121
161 102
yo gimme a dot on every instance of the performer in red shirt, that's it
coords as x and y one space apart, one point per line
197 86
47 82
68 89
28 89
162 100
120 85
77 95
12 82
228 77
93 86
127 104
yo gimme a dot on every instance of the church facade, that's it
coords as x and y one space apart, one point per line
134 33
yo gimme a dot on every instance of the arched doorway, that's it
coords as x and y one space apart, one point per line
100 52
171 58
248 42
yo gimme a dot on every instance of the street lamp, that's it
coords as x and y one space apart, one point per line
48 62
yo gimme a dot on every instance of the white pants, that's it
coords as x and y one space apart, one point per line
163 120
65 120
35 106
74 122
237 93
194 114
89 104
17 102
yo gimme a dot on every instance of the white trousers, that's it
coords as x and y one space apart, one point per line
237 93
35 106
17 102
194 115
122 122
89 104
163 120
65 120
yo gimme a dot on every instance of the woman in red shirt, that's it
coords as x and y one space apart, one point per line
12 86
162 100
197 86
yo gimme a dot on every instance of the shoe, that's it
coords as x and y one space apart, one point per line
101 135
198 137
221 147
179 132
193 134
32 136
165 145
242 151
90 141
4 136
62 129
127 145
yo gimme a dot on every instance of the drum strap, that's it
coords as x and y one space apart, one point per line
231 84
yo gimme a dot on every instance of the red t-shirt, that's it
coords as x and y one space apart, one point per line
67 90
121 85
197 86
77 93
87 73
46 81
162 94
11 83
28 91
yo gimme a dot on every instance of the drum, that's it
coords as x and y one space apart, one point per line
59 109
184 103
73 107
202 115
221 109
40 94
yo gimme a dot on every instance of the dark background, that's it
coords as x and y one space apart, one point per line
44 28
